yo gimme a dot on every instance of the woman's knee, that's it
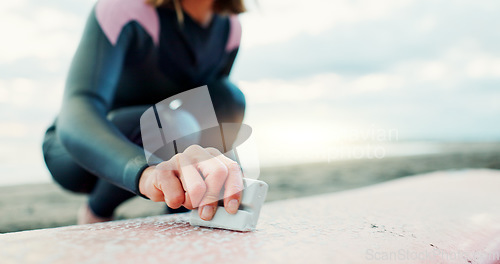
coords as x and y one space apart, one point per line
62 168
238 99
229 101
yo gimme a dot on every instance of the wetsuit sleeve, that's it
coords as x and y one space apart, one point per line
82 126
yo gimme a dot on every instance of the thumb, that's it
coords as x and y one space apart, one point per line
148 185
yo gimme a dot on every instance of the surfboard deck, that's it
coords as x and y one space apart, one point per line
441 217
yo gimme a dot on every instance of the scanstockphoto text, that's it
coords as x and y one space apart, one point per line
430 254
344 144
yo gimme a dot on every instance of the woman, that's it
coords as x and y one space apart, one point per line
132 55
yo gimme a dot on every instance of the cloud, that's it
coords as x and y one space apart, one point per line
454 95
29 93
413 30
47 31
281 20
318 87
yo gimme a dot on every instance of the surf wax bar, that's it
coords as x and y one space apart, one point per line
254 194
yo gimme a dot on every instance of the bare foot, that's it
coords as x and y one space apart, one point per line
86 216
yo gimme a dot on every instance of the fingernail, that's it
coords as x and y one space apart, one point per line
206 212
233 206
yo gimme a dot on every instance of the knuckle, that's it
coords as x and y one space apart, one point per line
161 181
176 156
233 166
211 197
214 151
193 148
177 199
219 173
198 188
159 177
163 166
183 160
235 188
172 163
155 198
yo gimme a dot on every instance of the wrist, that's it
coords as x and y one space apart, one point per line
145 179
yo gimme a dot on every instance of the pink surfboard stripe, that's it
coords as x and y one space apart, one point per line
234 38
113 15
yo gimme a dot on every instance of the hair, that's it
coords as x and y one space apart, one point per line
220 6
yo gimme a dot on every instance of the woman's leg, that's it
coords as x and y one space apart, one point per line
104 197
228 100
229 105
63 169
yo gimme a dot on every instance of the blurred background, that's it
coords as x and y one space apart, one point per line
340 93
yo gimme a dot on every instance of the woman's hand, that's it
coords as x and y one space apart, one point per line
195 179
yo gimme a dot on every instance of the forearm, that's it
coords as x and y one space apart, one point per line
97 145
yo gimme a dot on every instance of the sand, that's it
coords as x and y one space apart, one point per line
35 206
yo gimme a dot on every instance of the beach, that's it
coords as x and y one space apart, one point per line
34 206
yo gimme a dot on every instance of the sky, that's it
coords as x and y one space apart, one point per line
318 75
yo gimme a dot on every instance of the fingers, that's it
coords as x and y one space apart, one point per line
187 202
147 185
233 188
234 182
192 181
173 183
195 179
170 186
215 173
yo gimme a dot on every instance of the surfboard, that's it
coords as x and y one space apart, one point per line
441 217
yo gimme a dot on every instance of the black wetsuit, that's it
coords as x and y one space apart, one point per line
130 57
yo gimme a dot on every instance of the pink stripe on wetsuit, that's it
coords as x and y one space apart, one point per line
234 33
113 15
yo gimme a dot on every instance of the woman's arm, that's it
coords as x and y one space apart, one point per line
82 126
